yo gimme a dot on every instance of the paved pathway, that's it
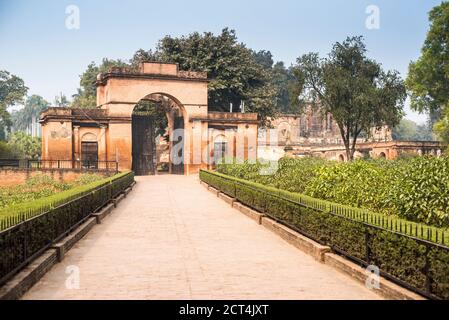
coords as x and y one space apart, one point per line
172 239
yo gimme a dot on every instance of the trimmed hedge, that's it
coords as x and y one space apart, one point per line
421 264
15 214
35 226
416 189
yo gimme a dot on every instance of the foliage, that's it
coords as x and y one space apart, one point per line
237 73
408 130
61 101
420 190
25 146
6 151
428 77
40 186
353 88
348 230
22 119
363 184
87 93
46 220
54 194
12 91
441 128
414 188
234 72
292 175
157 111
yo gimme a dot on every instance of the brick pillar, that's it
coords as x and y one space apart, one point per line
76 144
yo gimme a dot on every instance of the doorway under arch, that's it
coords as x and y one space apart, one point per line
157 124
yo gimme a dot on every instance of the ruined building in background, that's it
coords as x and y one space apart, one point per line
118 130
312 134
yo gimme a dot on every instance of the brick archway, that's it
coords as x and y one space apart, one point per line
120 90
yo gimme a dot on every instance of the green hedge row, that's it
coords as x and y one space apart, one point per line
416 189
38 224
421 264
15 214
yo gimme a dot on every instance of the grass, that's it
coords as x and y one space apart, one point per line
34 202
40 186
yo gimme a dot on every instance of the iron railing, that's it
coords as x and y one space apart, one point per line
82 165
29 233
419 262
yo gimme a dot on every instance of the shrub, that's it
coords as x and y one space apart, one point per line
405 258
361 183
40 186
18 212
414 188
420 190
6 151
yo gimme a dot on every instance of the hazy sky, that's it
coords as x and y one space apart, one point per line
36 45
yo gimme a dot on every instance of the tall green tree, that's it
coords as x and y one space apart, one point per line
408 130
428 77
34 105
353 88
233 69
24 145
12 92
61 101
87 93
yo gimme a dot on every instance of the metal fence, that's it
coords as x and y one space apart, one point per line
86 165
36 231
418 260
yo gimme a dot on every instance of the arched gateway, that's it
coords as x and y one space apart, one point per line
126 133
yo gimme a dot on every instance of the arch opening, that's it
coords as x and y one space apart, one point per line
155 119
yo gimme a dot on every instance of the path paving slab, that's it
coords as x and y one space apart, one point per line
172 239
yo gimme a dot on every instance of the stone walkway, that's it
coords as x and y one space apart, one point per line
172 239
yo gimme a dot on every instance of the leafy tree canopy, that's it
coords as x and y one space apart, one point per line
428 78
12 92
87 93
33 107
353 88
234 70
408 130
237 73
24 146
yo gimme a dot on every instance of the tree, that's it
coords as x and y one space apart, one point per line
408 130
22 119
353 88
264 58
428 77
24 145
61 101
12 92
86 97
234 72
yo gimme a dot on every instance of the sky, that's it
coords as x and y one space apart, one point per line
37 45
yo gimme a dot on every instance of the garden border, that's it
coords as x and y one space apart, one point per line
321 253
24 280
